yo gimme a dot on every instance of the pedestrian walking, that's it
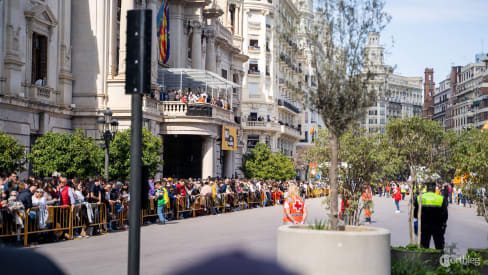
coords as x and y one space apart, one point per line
397 196
367 200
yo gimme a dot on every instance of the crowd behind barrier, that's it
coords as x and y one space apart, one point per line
37 211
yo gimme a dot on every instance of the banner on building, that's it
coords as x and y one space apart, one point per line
163 33
229 138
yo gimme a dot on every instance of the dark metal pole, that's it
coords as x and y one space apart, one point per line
138 82
107 144
135 186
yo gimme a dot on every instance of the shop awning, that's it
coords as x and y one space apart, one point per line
182 78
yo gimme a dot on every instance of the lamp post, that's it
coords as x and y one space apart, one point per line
108 128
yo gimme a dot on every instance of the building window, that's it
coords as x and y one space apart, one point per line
252 140
224 74
39 58
254 44
268 141
253 67
232 12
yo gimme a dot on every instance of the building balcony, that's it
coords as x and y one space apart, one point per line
176 109
261 126
150 105
292 132
254 49
44 95
287 105
254 72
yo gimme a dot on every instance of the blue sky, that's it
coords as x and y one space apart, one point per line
434 33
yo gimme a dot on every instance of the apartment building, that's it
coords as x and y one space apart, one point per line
398 96
276 74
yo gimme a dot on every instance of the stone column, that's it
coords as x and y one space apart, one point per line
178 52
208 157
196 45
154 5
228 164
125 6
210 58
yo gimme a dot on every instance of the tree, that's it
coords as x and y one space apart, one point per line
469 154
337 41
71 154
419 146
366 159
12 154
119 165
261 163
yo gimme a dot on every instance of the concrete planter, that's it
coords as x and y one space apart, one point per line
357 250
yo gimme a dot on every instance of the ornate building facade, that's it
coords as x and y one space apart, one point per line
398 96
62 63
276 72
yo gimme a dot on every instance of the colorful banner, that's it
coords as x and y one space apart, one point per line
163 33
229 138
313 168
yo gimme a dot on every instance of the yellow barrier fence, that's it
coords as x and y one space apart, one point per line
63 220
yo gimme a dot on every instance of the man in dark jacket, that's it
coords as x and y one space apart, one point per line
434 216
25 196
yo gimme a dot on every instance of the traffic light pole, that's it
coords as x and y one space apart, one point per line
138 81
135 187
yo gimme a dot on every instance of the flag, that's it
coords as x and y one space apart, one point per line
163 33
312 130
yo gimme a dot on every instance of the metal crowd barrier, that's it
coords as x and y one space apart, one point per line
65 219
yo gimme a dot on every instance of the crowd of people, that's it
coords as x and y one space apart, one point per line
194 96
173 198
398 190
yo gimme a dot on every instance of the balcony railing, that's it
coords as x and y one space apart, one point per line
181 109
261 125
291 131
284 103
254 48
44 94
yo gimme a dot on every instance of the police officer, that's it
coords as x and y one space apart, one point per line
434 216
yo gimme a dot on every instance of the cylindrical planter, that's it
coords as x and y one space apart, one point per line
357 250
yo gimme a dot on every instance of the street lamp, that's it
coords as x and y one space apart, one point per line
108 128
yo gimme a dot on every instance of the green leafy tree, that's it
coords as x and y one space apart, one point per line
71 154
420 146
12 154
469 154
119 162
337 40
261 163
366 160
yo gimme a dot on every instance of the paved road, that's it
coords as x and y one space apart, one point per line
166 248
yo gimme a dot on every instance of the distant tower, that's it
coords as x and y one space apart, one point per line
374 50
429 87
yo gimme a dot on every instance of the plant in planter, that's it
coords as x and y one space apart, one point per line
336 40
